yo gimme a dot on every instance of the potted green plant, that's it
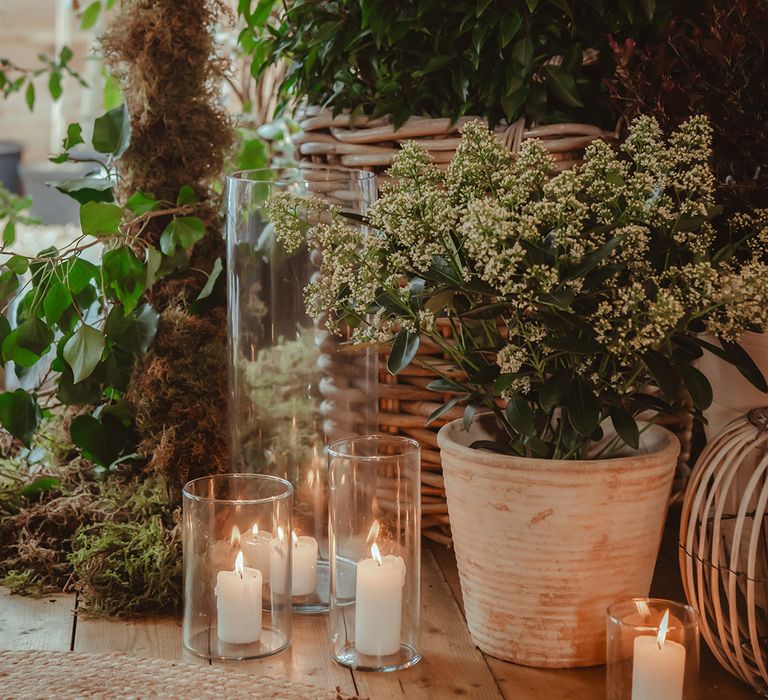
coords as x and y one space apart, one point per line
416 68
575 305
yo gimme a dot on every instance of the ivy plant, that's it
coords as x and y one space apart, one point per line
78 324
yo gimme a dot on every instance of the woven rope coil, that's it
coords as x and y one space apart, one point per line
61 675
724 547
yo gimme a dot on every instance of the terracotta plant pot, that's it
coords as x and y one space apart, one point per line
733 394
545 546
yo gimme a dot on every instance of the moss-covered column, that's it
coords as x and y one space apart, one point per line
164 54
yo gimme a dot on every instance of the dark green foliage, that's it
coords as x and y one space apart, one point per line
712 59
497 58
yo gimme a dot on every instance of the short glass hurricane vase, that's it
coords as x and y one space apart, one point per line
652 650
294 387
375 537
237 591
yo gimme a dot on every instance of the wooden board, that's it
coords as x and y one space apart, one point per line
307 660
451 665
36 623
157 637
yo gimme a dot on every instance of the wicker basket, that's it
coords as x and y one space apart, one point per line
363 143
371 144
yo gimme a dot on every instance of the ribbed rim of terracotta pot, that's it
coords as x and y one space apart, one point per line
449 438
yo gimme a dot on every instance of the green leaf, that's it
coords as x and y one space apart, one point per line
20 414
555 388
523 52
186 196
9 283
698 387
9 232
34 335
29 96
443 385
54 84
649 7
74 136
520 416
403 350
56 301
442 410
112 131
91 437
469 415
140 203
183 231
510 24
663 373
124 274
90 15
562 84
100 219
78 273
5 329
83 351
583 407
211 281
40 485
625 426
154 259
86 189
188 230
741 360
18 264
135 332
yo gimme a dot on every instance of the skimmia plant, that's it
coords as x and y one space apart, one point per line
574 302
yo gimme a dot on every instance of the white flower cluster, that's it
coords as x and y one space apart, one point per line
587 270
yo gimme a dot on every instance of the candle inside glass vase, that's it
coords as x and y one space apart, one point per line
379 604
238 604
658 666
256 551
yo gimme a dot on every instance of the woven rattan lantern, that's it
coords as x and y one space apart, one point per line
724 547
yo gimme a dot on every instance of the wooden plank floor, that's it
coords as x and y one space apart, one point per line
451 666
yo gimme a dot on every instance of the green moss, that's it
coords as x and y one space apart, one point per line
130 562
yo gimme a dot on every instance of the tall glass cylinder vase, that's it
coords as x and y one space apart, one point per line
294 387
375 530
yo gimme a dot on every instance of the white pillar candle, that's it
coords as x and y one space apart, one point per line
379 604
303 565
658 667
256 551
238 604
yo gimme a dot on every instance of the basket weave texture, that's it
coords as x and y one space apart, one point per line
371 144
54 674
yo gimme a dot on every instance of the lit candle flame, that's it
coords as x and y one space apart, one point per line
373 533
234 539
663 629
375 553
294 539
255 530
239 564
